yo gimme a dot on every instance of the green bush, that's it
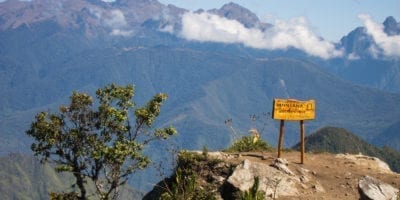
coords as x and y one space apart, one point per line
253 193
248 143
185 185
64 196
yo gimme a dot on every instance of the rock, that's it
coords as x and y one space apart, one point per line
318 188
220 179
282 161
314 173
304 171
243 178
218 155
374 189
348 175
304 179
282 165
273 182
371 162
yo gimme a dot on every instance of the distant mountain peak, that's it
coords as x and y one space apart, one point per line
390 21
361 43
241 14
92 15
392 27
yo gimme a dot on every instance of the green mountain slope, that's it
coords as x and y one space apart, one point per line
204 90
24 177
339 140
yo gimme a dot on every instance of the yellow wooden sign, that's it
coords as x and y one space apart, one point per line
292 109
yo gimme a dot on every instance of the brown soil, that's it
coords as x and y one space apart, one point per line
337 175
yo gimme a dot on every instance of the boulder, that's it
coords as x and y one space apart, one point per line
372 162
273 181
282 165
373 189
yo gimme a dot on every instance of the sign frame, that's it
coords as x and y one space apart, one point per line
292 109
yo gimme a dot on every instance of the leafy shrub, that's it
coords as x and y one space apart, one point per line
185 182
185 187
253 193
248 143
64 196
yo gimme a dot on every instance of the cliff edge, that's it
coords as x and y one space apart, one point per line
219 175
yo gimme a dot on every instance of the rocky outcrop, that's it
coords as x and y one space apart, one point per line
322 176
274 180
373 189
368 161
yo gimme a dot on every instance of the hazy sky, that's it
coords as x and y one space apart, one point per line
330 19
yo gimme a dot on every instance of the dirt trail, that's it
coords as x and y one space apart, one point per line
337 174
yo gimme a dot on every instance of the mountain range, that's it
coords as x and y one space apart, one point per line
50 48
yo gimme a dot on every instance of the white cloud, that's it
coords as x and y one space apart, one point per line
353 56
117 22
167 29
283 35
115 19
390 45
121 32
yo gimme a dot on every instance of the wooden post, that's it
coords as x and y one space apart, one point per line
302 140
281 132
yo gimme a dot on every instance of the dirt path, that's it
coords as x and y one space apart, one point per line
337 174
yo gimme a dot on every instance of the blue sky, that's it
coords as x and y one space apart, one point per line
330 19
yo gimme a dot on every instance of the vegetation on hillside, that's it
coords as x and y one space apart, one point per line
253 193
185 182
24 177
197 177
249 144
339 140
103 144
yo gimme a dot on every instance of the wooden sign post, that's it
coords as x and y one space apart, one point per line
295 110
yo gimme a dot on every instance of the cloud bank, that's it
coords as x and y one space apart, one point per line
283 35
114 20
389 45
117 22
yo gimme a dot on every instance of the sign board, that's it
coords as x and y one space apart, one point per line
292 109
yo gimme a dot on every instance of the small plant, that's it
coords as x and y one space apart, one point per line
252 142
64 196
185 184
253 193
205 152
183 187
248 143
275 184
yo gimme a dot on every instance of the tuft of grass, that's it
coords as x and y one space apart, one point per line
253 193
248 144
64 196
185 183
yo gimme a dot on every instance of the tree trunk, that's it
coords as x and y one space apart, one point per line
80 182
79 179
